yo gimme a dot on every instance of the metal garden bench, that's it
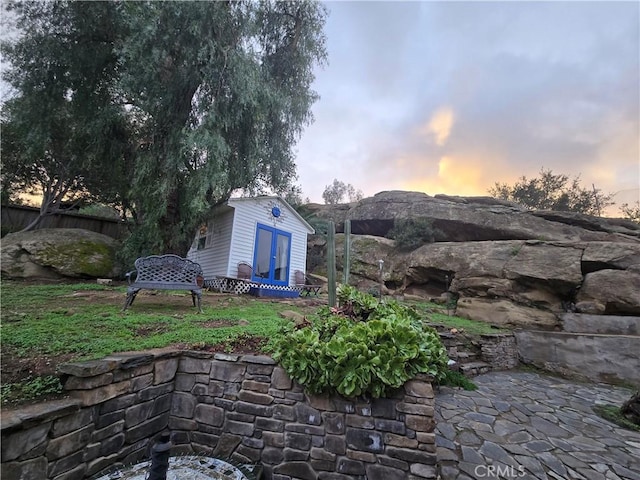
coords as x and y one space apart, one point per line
165 272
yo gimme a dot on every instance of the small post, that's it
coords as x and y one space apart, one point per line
347 251
160 458
381 265
331 262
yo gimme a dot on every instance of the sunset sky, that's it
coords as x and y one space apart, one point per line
451 97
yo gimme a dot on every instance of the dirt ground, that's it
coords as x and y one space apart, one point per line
15 369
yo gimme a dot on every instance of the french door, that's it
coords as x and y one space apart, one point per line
271 256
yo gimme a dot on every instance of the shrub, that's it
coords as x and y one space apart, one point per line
411 233
364 347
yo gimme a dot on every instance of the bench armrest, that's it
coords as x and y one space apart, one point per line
129 275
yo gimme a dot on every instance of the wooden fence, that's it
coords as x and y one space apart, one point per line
16 217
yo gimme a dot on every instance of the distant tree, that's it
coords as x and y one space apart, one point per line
631 212
554 192
292 194
337 191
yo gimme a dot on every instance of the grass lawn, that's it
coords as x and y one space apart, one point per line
44 325
437 314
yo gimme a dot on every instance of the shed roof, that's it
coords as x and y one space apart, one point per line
289 208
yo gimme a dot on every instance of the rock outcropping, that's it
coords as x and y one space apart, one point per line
503 264
58 253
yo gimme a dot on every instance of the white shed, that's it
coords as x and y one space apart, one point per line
264 232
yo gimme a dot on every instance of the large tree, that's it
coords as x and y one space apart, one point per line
554 192
210 96
59 128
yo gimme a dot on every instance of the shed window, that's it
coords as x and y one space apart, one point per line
205 236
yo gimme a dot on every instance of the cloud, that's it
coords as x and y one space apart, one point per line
438 127
451 97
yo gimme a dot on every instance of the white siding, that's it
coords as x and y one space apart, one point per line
235 233
243 237
250 212
213 259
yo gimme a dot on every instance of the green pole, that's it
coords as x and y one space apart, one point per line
347 251
331 263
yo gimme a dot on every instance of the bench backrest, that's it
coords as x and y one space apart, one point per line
168 269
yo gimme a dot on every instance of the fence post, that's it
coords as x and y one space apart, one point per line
347 251
331 262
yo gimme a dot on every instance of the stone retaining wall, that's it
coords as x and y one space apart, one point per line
600 324
611 359
495 351
500 350
244 408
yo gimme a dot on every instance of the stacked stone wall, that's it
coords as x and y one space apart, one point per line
241 407
500 351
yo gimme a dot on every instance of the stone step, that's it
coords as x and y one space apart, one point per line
465 357
474 368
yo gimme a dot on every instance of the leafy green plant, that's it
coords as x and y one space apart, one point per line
363 347
453 378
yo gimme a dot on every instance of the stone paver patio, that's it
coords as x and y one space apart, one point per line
528 426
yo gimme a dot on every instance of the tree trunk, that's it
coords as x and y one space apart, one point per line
175 240
33 224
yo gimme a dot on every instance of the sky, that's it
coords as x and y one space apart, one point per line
451 97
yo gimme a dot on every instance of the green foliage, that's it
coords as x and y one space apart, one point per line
292 194
33 388
613 414
320 225
100 210
454 378
338 191
147 106
411 233
554 192
437 314
62 135
363 347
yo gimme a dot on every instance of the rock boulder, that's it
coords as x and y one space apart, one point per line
461 219
58 253
504 265
617 290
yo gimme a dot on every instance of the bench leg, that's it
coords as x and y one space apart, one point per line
197 297
131 296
